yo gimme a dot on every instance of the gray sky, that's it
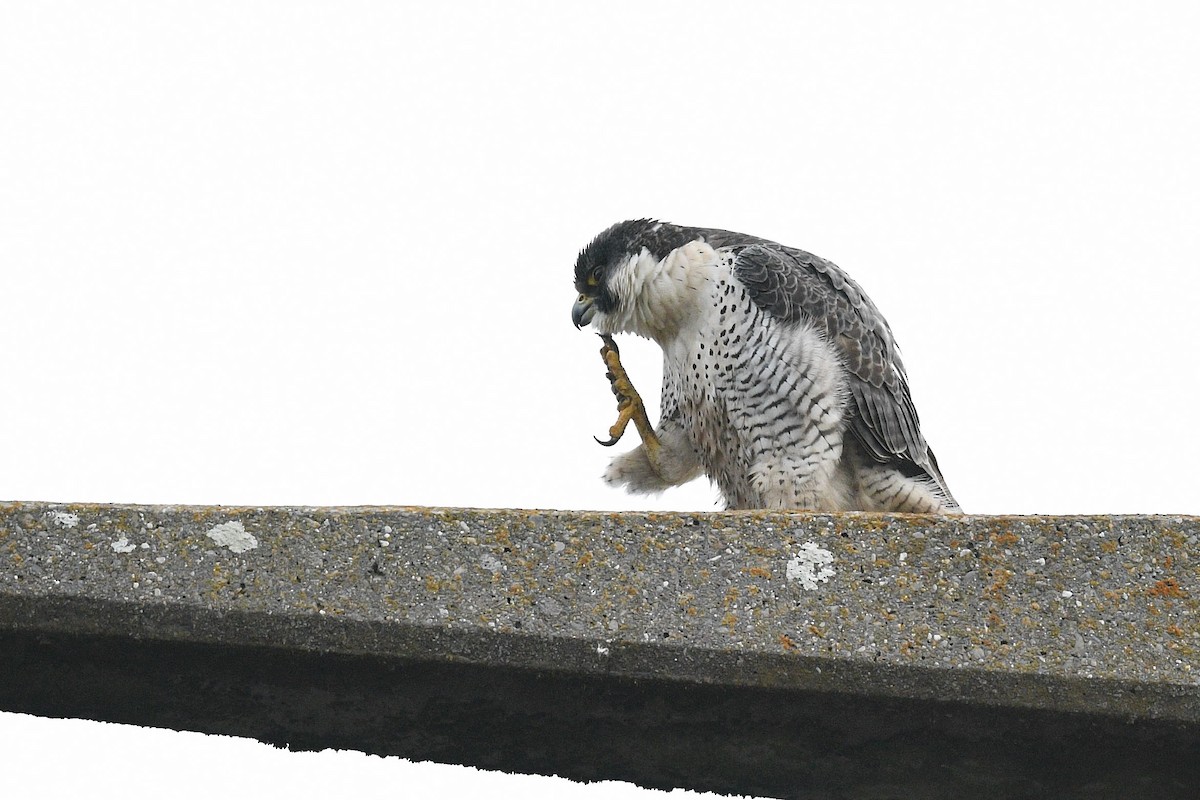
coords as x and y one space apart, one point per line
272 253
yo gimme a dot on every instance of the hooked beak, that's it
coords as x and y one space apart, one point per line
583 311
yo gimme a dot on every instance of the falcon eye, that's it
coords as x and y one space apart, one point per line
593 278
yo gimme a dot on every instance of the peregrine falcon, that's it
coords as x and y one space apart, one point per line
781 380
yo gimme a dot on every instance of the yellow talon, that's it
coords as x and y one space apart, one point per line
629 402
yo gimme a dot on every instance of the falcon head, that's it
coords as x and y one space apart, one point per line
618 276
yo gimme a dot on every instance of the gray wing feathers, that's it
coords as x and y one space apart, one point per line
794 285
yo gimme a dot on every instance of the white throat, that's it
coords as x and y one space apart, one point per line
656 298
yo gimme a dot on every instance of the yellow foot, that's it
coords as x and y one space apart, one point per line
629 402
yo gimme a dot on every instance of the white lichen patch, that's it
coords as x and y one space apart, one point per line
64 519
122 545
232 535
813 565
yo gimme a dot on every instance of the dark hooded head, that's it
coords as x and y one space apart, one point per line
601 258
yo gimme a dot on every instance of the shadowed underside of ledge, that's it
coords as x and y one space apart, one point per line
776 654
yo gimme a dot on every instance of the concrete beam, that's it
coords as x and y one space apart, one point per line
791 655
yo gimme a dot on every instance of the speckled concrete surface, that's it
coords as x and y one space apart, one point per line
1089 614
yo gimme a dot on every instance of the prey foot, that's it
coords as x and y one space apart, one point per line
629 403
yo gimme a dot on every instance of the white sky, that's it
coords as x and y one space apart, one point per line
272 253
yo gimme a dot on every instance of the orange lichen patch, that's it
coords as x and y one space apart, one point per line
432 584
1167 562
1055 548
620 548
758 572
1001 577
787 642
872 522
584 560
1005 538
631 591
1175 630
731 596
815 631
516 588
685 601
1108 546
502 536
1167 587
729 621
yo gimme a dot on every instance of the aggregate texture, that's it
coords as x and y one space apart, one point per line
782 654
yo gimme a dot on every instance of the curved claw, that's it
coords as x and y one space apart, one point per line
629 405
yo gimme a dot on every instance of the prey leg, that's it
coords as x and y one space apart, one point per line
629 403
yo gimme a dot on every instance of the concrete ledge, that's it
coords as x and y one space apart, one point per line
776 654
